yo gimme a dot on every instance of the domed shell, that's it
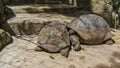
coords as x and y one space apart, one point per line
55 34
91 28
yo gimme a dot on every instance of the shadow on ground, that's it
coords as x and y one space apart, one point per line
65 8
113 61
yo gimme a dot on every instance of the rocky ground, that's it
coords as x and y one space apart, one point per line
20 53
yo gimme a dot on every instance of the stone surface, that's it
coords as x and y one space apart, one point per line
1 63
6 58
7 66
40 8
101 6
27 27
29 24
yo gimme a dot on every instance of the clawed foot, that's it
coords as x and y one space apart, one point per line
65 52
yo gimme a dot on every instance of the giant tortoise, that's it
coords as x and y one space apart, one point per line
54 37
88 29
91 29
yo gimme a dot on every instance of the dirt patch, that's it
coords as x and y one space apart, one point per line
115 62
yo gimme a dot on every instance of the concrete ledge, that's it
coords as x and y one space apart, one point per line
40 8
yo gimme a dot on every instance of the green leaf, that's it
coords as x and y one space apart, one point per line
17 61
119 10
82 48
82 57
51 57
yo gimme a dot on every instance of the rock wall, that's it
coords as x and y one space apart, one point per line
5 38
21 2
97 6
1 8
2 13
103 8
100 7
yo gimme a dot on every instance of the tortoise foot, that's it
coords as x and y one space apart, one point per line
75 42
65 52
110 42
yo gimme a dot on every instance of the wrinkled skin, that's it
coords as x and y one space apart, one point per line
75 42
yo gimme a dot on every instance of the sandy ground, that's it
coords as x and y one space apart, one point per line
20 54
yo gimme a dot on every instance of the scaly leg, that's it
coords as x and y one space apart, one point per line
75 42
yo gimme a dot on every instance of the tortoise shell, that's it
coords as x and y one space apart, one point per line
91 28
55 34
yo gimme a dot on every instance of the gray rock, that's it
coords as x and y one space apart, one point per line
5 38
